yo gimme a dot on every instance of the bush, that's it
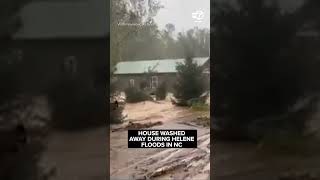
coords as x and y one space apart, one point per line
133 95
199 106
116 116
194 101
161 91
143 85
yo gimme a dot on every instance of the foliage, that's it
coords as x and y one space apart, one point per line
127 19
115 113
153 43
195 41
116 116
190 82
123 13
161 91
144 84
144 40
200 106
261 66
134 95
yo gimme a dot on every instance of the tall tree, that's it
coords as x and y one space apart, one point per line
170 28
128 19
189 82
194 40
169 43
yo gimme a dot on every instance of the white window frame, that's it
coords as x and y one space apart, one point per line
131 82
154 82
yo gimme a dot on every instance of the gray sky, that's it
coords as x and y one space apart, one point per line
179 13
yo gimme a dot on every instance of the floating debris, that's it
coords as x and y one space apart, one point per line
132 125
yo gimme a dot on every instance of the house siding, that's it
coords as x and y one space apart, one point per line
124 79
169 78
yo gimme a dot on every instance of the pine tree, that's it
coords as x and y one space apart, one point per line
190 82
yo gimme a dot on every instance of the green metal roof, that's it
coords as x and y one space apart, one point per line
161 66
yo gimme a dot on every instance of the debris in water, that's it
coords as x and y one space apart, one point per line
166 169
132 125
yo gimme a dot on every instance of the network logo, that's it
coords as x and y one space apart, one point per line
198 16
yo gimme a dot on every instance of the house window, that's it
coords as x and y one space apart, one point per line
131 82
154 82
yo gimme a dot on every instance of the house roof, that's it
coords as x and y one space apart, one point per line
161 66
64 19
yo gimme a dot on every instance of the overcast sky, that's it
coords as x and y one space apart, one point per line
179 13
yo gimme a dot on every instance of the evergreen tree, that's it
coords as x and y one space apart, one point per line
190 82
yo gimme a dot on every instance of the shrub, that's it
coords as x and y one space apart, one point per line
199 106
116 116
161 91
134 95
194 101
143 85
